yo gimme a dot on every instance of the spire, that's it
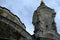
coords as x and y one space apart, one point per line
42 3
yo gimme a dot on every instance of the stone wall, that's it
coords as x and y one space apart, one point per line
11 26
41 38
9 29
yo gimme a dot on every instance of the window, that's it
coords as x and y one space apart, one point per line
46 27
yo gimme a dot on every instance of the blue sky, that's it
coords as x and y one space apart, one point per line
24 10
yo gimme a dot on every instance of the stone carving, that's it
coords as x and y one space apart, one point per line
44 24
11 27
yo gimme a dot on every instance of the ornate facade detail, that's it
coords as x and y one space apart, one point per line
11 27
44 23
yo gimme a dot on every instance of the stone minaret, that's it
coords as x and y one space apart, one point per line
43 21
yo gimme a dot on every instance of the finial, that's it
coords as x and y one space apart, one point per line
42 1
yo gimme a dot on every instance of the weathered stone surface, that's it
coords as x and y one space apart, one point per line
6 13
11 27
44 24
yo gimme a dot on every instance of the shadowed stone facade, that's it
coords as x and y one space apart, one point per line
44 23
11 27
